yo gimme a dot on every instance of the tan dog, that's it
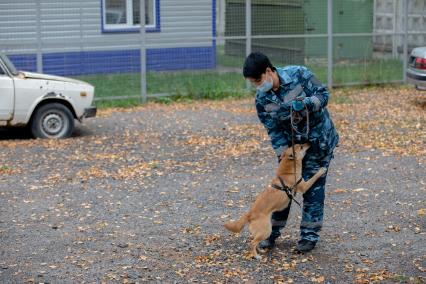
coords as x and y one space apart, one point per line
272 199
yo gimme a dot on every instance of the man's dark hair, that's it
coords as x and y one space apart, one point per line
256 64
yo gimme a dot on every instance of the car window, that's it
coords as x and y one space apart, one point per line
2 71
9 64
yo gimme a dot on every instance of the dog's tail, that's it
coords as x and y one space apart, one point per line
237 226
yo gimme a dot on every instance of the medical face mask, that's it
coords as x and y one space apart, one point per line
266 86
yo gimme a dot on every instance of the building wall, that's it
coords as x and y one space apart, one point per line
388 18
349 16
69 34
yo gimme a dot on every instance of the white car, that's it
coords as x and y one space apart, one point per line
47 104
416 71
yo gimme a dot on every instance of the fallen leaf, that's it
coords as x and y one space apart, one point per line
319 279
359 189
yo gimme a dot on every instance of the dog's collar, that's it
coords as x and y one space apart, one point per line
286 189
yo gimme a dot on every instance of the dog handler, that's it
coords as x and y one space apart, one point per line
279 93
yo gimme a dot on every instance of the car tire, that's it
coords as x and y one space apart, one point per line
52 120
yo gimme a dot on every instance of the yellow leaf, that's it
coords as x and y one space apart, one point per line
319 279
340 190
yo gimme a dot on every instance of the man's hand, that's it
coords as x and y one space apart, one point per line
298 105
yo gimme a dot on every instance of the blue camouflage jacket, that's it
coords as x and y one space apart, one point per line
273 110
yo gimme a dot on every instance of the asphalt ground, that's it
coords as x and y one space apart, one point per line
140 195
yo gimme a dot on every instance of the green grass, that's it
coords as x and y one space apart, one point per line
226 81
363 73
197 84
179 85
368 71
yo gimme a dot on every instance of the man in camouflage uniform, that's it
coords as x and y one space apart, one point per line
281 91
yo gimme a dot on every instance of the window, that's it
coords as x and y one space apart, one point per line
8 65
125 15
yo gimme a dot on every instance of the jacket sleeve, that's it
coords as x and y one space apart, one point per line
278 139
316 92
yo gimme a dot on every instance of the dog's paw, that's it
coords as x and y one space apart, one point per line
323 170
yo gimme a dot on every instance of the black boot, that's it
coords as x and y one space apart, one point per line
269 243
305 246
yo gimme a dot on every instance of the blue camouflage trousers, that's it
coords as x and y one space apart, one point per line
313 201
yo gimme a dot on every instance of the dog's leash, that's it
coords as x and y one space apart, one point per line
293 130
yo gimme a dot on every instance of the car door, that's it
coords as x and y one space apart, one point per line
7 95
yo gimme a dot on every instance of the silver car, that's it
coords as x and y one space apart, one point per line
416 72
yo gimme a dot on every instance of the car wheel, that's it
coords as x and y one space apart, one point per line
53 120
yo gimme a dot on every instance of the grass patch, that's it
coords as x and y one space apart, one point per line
227 80
182 85
124 103
367 73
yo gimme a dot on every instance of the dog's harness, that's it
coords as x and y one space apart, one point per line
286 189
